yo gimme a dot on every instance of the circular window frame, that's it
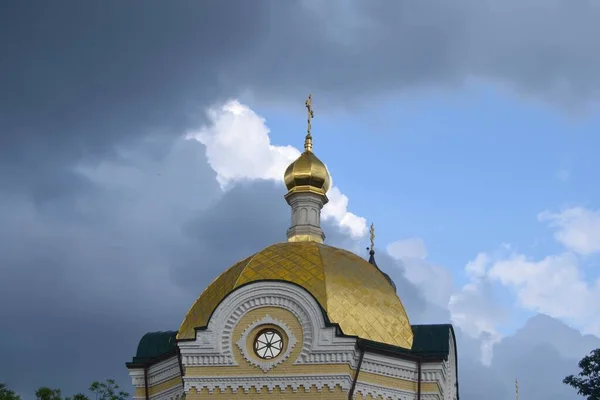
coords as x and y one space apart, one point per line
280 338
246 342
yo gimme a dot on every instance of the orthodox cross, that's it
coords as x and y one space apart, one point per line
372 236
311 115
517 389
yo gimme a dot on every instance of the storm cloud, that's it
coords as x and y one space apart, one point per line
78 78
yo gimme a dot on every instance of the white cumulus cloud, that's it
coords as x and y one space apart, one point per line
577 228
474 308
408 248
238 147
477 267
554 285
435 280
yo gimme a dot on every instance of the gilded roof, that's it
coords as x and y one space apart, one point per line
353 293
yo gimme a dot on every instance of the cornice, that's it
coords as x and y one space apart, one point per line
137 377
163 371
174 393
366 389
270 382
157 373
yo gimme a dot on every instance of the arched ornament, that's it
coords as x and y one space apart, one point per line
320 344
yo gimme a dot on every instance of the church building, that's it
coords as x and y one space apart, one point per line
300 320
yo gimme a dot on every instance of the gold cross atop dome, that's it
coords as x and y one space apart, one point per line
311 115
307 174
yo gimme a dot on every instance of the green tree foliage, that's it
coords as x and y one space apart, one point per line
108 390
7 394
587 382
78 396
45 393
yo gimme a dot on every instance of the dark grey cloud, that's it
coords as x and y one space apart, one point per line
78 78
246 219
82 279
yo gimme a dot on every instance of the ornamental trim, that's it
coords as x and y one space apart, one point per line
270 382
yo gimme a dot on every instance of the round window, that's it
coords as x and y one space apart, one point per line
268 344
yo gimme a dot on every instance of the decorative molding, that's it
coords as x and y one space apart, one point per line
430 396
157 373
432 373
388 393
450 388
174 393
163 371
389 371
137 377
266 365
391 367
258 382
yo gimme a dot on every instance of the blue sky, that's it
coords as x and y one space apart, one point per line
472 161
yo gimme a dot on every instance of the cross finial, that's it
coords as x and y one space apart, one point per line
372 236
517 389
311 115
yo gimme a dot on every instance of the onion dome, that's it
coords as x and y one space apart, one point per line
307 173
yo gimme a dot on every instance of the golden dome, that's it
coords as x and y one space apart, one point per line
353 293
307 174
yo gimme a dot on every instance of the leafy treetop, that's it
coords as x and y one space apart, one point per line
587 382
7 394
107 390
